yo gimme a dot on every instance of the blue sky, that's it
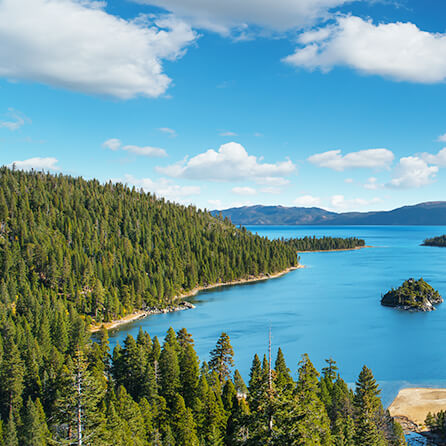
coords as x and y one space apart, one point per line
330 103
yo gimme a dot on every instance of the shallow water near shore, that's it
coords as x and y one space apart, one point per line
331 308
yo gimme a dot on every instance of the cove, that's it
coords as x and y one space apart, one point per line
331 308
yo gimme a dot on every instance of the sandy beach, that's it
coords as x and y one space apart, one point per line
415 404
142 314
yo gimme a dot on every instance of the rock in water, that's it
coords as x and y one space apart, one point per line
412 295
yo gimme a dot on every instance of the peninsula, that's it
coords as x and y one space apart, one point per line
412 295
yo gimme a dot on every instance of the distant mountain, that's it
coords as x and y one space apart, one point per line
431 213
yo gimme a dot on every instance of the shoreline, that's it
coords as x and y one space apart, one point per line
411 406
141 314
336 250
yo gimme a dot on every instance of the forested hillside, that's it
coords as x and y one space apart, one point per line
106 250
74 250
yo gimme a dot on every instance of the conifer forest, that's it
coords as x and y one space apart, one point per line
76 252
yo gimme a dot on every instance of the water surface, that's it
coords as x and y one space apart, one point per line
331 308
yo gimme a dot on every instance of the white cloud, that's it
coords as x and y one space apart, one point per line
349 180
372 158
228 134
112 144
78 46
169 131
340 203
271 190
439 159
116 144
163 188
244 190
400 51
273 181
229 15
412 172
230 163
307 201
216 204
146 151
16 120
442 138
372 184
36 163
258 135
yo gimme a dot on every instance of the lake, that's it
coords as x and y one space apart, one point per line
331 308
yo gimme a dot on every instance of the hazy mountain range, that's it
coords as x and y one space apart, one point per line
430 213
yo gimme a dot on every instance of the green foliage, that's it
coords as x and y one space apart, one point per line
324 243
412 294
73 252
222 358
107 250
434 241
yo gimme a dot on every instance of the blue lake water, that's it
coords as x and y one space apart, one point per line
331 308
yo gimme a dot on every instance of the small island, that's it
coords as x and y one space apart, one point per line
436 241
412 295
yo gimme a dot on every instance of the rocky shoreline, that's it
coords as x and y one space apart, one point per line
412 295
183 305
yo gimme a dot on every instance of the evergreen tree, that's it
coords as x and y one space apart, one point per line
36 431
369 410
222 358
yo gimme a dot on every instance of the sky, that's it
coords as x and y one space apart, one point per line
330 103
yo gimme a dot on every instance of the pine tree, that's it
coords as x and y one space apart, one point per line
36 431
311 424
12 373
78 403
239 384
189 364
222 358
183 423
10 438
169 374
369 410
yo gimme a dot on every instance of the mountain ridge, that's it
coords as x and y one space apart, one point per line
422 214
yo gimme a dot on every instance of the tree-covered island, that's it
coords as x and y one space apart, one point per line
439 241
414 295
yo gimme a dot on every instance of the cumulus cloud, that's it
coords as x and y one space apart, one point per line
372 158
36 163
229 15
230 163
78 46
442 138
340 203
112 144
400 51
15 120
439 159
163 188
146 151
412 172
244 190
307 201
